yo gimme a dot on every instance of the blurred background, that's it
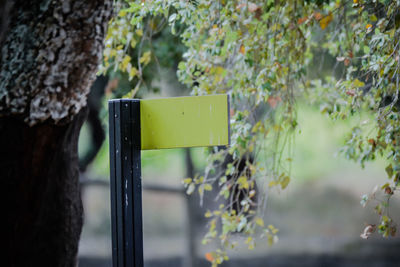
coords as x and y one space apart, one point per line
319 215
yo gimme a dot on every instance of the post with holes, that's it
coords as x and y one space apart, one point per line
125 175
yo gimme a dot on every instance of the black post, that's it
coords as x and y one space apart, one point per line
126 186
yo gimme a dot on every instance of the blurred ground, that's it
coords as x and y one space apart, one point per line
319 215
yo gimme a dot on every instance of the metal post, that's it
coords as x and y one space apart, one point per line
126 187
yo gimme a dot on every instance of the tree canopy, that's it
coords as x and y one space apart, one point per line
266 54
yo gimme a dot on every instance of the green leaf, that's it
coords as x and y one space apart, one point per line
385 185
187 180
259 221
207 187
243 183
145 58
389 171
385 219
357 83
285 182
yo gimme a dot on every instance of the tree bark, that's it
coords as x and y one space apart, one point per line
192 205
48 60
40 193
49 57
5 7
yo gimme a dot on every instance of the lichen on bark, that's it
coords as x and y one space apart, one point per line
49 57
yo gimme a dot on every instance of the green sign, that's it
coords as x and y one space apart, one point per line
184 122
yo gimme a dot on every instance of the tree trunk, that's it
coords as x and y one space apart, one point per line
49 57
5 7
192 205
40 193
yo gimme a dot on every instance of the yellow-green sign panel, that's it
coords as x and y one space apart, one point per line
184 122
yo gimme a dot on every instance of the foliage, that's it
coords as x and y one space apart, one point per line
365 42
264 54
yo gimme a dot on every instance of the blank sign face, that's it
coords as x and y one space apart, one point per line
184 122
